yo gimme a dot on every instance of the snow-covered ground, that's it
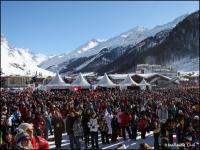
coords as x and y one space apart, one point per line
130 144
186 64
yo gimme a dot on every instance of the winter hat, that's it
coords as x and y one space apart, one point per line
22 135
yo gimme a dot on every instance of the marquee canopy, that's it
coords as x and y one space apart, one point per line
128 82
80 82
57 83
106 82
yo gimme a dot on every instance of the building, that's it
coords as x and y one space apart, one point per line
16 81
162 70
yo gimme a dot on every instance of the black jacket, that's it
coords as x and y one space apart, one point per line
69 124
114 123
85 120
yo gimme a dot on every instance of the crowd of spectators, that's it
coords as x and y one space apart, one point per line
28 117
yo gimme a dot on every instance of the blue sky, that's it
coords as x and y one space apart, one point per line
56 27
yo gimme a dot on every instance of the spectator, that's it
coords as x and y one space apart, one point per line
103 127
37 141
143 126
8 141
93 125
69 128
156 134
115 126
58 129
86 129
23 141
78 131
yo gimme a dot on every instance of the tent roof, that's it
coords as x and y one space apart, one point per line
146 75
106 82
128 81
119 76
80 81
143 82
57 81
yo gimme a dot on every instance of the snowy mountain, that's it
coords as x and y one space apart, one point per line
19 61
82 51
131 37
178 48
175 46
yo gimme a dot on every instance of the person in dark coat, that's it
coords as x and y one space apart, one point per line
115 126
156 134
69 128
78 131
8 141
103 127
134 124
58 129
86 129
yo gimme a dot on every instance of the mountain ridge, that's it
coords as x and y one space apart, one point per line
20 61
131 37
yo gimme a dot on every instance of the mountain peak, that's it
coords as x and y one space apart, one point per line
139 28
94 46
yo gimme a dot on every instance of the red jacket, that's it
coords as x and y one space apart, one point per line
143 123
125 119
40 143
23 111
126 102
41 123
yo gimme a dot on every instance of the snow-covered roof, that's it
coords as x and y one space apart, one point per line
128 81
80 81
106 82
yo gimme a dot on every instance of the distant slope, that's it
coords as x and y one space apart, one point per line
182 42
167 47
131 37
18 61
82 51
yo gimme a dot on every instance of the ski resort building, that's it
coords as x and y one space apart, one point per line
162 70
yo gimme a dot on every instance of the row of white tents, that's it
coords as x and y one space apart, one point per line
58 83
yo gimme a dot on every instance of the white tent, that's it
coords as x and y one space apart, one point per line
128 81
106 82
57 83
143 85
80 82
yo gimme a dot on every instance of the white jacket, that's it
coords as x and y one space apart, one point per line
108 119
93 125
